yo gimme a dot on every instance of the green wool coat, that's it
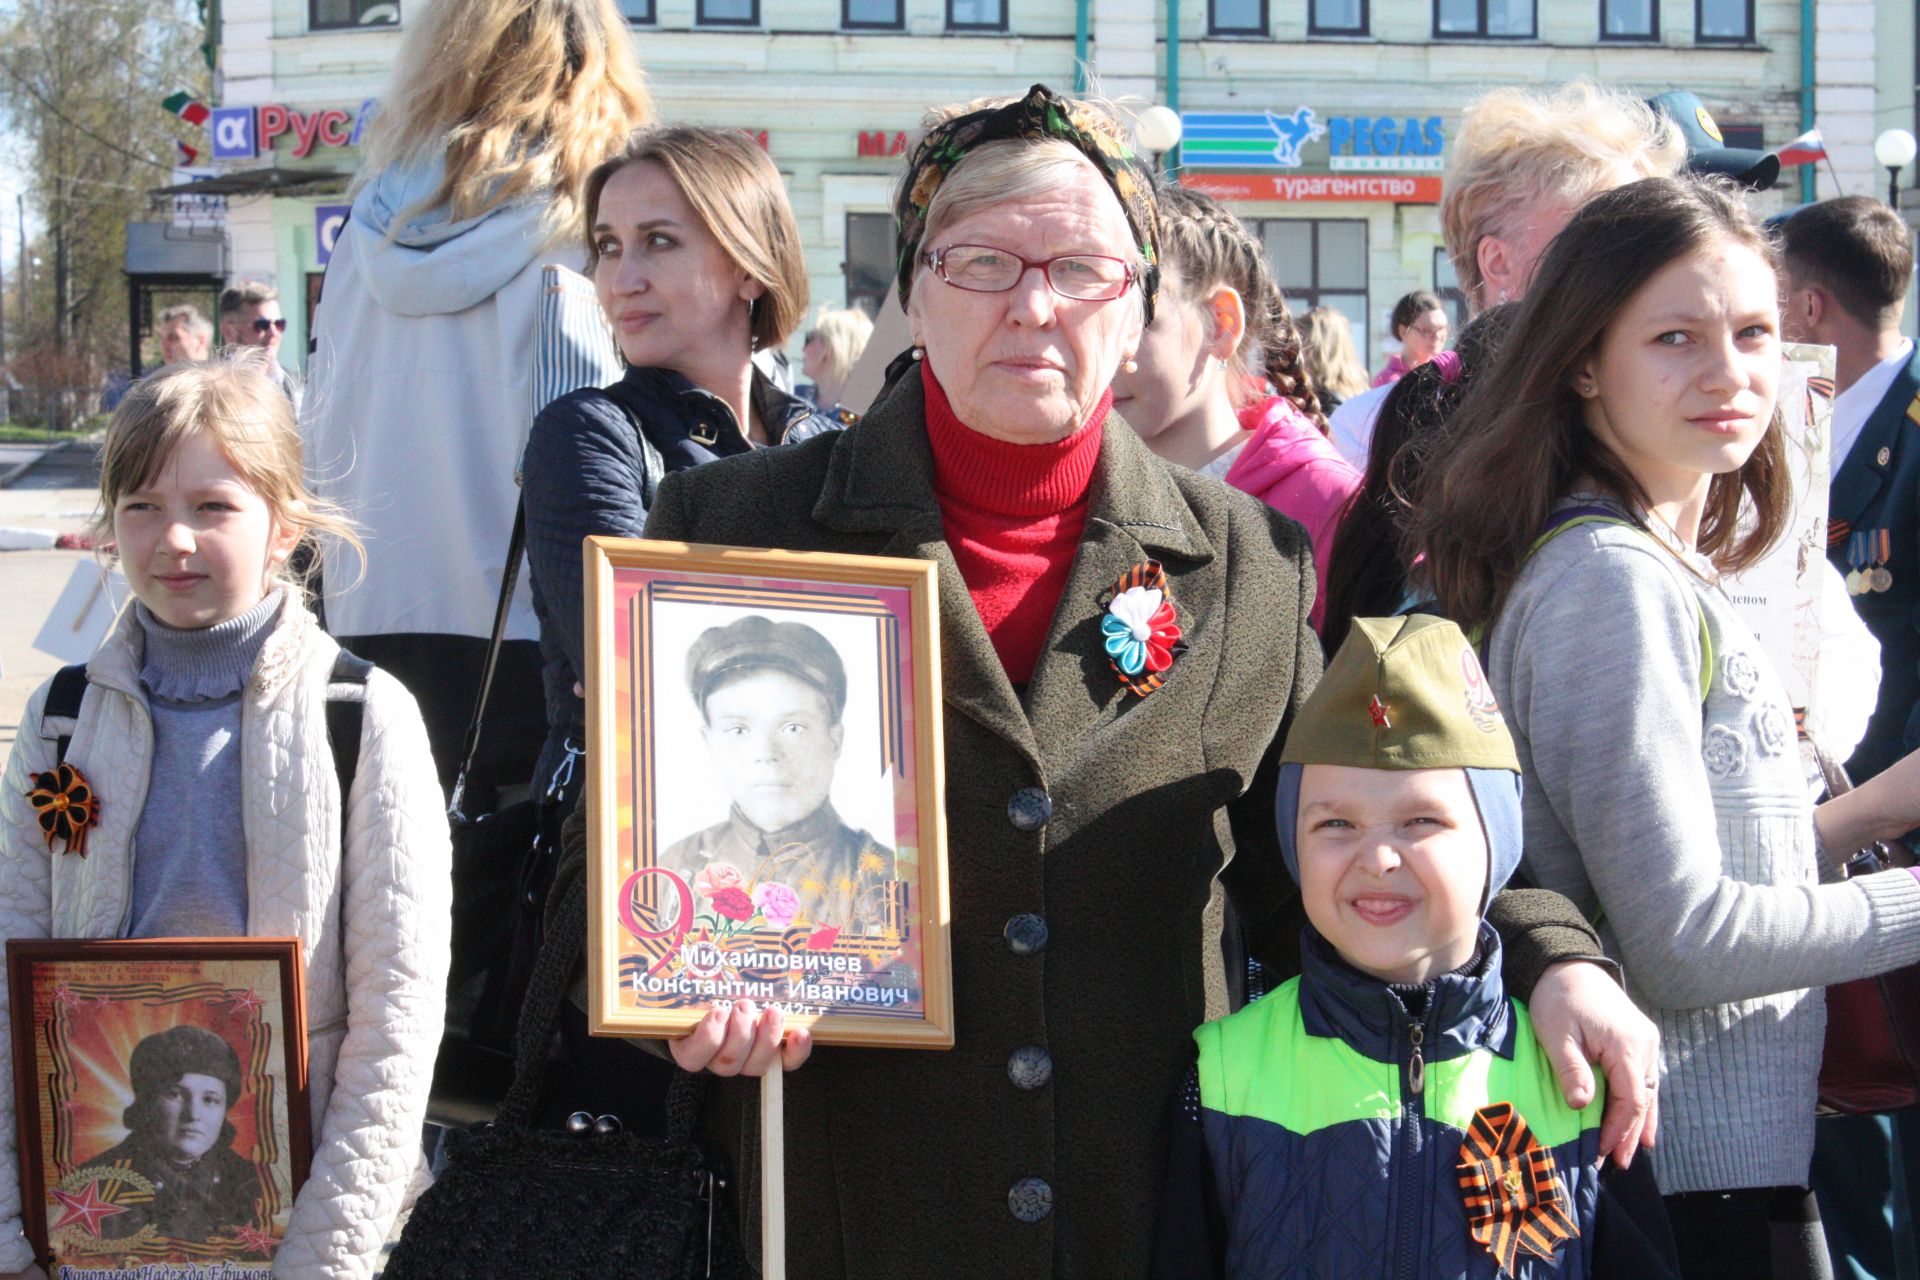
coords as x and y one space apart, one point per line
905 1162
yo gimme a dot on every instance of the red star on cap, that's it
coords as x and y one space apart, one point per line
86 1209
1378 710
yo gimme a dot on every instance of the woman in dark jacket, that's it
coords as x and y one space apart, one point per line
1094 832
695 256
696 259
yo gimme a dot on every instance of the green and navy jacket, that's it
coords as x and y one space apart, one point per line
1334 1111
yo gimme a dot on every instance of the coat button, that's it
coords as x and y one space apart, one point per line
1029 1067
1029 809
1026 934
1030 1200
1884 456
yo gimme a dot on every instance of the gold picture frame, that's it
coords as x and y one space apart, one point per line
765 792
160 1092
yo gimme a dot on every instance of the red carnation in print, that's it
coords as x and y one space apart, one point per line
733 903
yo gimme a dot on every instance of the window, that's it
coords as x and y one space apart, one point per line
1337 17
872 15
728 13
1495 19
976 15
1236 17
339 15
1629 20
1322 262
1446 283
870 263
1723 21
639 12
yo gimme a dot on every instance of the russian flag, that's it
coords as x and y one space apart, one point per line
1805 149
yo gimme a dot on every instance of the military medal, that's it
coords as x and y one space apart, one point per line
1856 580
1882 577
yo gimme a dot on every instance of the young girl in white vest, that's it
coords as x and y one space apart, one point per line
205 799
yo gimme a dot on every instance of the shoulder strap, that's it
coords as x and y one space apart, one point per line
516 545
344 719
63 699
1568 517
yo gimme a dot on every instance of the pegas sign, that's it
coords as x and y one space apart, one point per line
1385 144
243 133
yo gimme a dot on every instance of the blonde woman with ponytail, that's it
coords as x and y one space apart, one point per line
418 399
1200 394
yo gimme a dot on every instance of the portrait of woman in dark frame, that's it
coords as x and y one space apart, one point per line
184 1080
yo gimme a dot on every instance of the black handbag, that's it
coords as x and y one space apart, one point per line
503 863
515 1200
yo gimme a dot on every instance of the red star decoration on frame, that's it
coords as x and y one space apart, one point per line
254 1240
1378 710
86 1210
244 1001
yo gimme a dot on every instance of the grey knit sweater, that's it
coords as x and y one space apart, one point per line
190 855
1687 829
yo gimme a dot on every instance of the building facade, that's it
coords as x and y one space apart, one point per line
834 88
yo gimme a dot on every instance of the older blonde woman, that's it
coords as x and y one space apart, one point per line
418 393
834 345
1099 813
1523 162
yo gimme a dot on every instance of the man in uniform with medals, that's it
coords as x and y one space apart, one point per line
771 697
1847 264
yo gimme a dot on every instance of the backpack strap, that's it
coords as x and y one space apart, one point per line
1568 517
344 719
69 687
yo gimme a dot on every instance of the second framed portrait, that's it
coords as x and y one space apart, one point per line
161 1098
765 801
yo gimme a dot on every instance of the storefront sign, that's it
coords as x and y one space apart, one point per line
242 133
1385 144
191 211
1279 140
1392 188
327 221
1246 139
880 142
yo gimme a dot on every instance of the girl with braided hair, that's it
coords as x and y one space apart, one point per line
1221 385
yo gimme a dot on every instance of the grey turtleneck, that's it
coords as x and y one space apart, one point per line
190 852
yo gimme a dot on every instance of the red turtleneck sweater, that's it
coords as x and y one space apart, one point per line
1013 516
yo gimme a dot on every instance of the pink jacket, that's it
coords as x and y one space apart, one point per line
1291 467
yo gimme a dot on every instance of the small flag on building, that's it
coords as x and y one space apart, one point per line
187 107
1805 149
184 154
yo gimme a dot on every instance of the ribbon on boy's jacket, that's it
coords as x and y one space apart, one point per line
1514 1198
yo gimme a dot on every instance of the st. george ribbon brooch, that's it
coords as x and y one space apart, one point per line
1515 1199
66 806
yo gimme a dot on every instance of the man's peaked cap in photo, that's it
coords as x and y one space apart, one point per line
756 642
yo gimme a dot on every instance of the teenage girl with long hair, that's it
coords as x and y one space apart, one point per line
1621 456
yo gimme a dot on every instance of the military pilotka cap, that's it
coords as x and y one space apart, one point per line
755 642
1402 693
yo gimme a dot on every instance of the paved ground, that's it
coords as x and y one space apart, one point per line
30 581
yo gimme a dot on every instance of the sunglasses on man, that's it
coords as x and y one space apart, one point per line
263 325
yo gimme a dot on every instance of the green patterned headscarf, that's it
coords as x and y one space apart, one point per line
1041 114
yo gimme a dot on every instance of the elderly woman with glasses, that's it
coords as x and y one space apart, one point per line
1104 799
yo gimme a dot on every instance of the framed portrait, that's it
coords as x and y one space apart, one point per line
765 797
161 1094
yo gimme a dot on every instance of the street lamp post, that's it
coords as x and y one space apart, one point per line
1894 149
1157 130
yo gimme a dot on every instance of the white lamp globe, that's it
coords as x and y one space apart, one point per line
1157 129
1895 149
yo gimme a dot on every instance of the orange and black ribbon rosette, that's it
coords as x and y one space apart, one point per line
1141 629
66 806
1515 1199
